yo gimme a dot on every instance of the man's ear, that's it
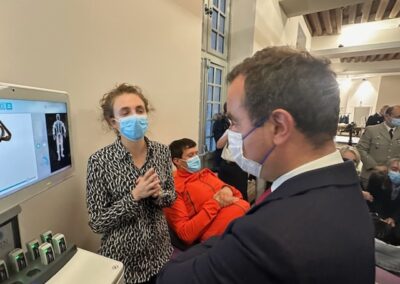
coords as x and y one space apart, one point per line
176 161
283 124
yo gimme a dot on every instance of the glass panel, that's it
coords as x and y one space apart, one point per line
214 40
208 143
217 94
218 75
220 44
209 113
210 74
222 5
213 146
208 127
209 93
215 2
214 19
215 109
221 24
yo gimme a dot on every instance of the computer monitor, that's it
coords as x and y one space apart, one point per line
35 142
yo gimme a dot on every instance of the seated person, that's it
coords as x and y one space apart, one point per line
205 205
385 188
350 153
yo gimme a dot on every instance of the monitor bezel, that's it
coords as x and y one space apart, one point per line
15 92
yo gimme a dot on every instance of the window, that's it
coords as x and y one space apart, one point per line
214 66
216 26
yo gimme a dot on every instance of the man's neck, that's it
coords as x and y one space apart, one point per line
292 158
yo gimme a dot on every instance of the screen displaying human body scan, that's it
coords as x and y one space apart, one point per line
34 142
38 145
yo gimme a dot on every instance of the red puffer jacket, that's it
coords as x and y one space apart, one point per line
195 215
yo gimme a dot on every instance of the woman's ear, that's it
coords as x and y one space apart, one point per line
283 124
114 124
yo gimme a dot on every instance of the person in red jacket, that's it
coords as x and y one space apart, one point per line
205 205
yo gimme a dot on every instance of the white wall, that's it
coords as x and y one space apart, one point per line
389 92
356 92
256 24
272 27
241 30
86 47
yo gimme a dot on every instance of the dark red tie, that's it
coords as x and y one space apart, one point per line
263 196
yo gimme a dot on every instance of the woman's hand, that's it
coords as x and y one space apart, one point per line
147 185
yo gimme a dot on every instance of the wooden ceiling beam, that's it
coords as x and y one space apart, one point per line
366 9
316 24
326 18
395 10
352 14
380 57
381 10
339 19
294 8
361 50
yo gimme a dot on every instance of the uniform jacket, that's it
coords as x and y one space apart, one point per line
376 147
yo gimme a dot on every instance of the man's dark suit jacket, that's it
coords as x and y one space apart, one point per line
315 228
374 119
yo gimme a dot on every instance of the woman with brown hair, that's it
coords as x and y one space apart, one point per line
128 184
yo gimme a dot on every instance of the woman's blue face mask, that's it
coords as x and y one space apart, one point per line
133 127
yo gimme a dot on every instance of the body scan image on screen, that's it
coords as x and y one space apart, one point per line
36 143
57 138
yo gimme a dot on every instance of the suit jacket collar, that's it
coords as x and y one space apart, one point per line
339 175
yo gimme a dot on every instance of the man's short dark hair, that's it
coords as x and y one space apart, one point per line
303 85
178 146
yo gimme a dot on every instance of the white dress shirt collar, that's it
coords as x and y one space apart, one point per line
325 161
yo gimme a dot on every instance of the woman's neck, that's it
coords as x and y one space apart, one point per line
136 148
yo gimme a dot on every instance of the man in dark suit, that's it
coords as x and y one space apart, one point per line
378 117
314 227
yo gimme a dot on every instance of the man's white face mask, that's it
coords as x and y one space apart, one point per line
235 141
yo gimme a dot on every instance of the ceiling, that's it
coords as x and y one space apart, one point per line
329 21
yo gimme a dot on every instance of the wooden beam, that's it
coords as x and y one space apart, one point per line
372 58
352 14
326 18
381 10
316 23
294 8
376 67
339 19
360 50
395 10
366 9
308 25
381 57
390 56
